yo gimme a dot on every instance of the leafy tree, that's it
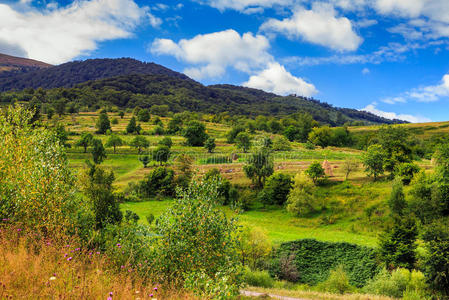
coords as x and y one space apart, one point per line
373 160
100 192
223 188
145 160
196 229
232 134
315 171
275 126
195 133
266 143
349 166
276 189
174 125
161 154
157 121
114 121
103 123
62 135
98 151
341 137
301 200
160 110
160 181
259 166
85 140
121 114
406 171
292 133
184 170
140 143
166 141
243 141
254 246
280 143
114 141
305 124
50 113
132 126
395 143
59 106
210 145
321 136
158 130
143 115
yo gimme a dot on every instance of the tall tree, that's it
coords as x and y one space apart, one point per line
98 151
85 140
195 133
114 141
259 166
103 123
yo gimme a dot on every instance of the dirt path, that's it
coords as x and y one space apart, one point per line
256 294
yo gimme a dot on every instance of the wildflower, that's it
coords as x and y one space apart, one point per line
122 267
111 293
19 229
69 259
77 249
118 245
98 252
151 295
109 298
155 289
65 255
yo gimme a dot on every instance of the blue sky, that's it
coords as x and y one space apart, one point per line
389 57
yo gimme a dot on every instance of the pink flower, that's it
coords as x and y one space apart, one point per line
111 293
151 295
155 289
69 259
109 298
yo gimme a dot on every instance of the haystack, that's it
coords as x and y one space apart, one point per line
327 168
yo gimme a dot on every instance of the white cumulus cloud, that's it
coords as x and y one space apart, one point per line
246 6
431 93
278 80
392 115
319 25
211 54
62 33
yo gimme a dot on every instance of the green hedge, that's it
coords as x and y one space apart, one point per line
314 260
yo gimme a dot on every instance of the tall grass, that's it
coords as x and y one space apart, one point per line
32 268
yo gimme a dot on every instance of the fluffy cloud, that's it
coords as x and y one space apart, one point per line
277 80
61 34
213 53
319 25
246 6
391 115
431 93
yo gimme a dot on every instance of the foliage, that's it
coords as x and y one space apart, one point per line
98 151
159 181
373 160
85 140
349 166
161 154
103 123
301 199
232 134
315 171
321 136
280 143
114 141
337 282
436 260
143 115
254 247
259 166
140 143
257 278
210 145
243 141
315 259
395 143
397 284
132 126
196 231
36 186
184 170
145 160
195 133
166 141
277 188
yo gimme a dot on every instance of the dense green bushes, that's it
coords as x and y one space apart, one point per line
314 260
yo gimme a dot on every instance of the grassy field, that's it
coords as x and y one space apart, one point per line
344 215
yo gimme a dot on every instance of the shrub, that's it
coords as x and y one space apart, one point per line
399 283
338 281
195 133
254 246
159 181
277 188
281 143
103 123
197 231
406 171
374 160
166 141
258 278
315 259
315 171
210 145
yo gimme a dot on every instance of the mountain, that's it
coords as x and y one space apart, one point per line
72 73
128 83
12 63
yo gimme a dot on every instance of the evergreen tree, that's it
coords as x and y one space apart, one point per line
98 151
132 126
103 123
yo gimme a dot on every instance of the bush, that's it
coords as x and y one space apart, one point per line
281 143
301 200
315 171
257 278
399 283
406 171
159 181
315 259
338 282
254 246
277 188
195 133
